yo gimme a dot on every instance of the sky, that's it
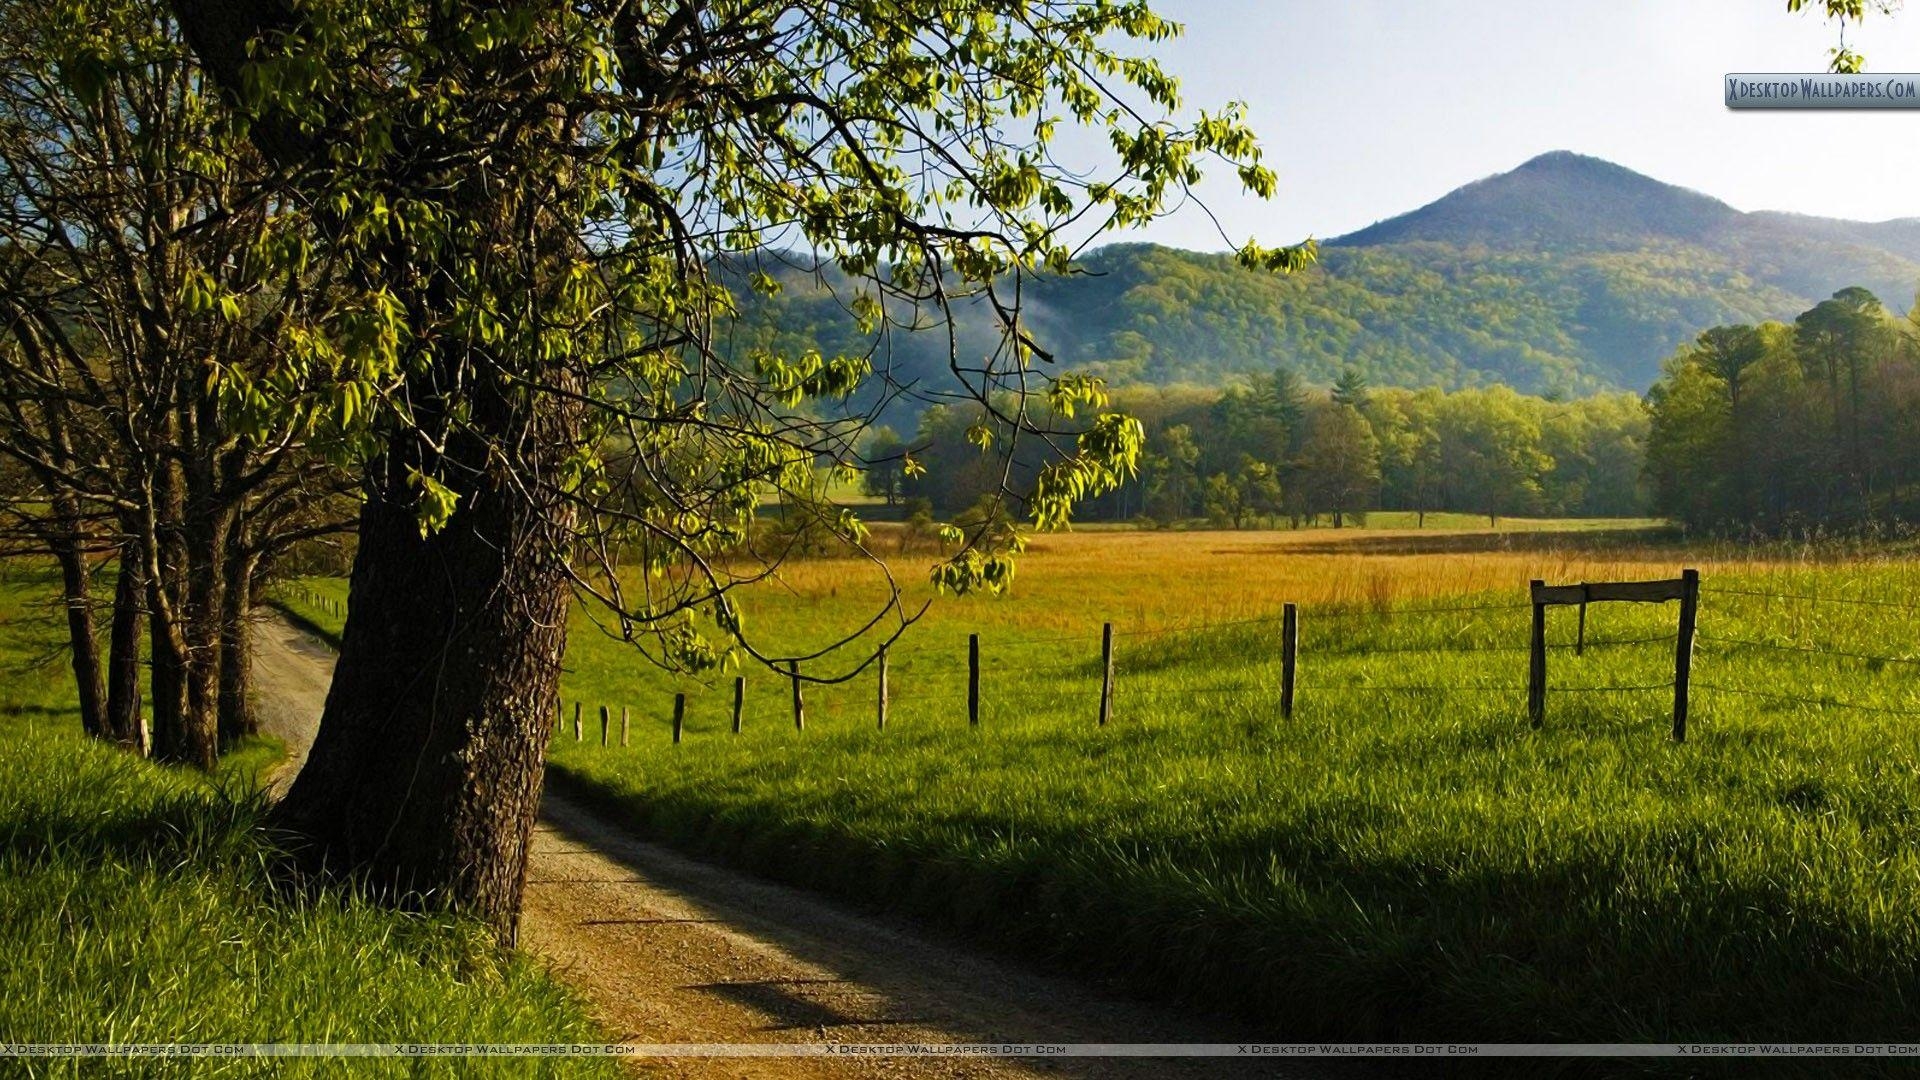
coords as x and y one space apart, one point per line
1370 108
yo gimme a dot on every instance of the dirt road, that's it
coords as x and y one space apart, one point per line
291 669
668 949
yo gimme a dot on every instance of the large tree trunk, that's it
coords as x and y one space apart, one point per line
76 581
123 651
425 776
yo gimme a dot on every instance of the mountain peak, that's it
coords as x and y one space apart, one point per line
1556 201
1569 159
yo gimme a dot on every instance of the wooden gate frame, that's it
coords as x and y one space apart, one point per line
1685 588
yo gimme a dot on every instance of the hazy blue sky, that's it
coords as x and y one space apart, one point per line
1368 108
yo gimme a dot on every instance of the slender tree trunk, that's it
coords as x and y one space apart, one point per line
204 626
425 776
204 631
76 581
172 741
123 651
236 650
181 733
208 525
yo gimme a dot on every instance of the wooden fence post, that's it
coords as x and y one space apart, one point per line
1106 673
973 680
1580 639
880 700
1289 656
1683 650
679 715
799 703
605 723
576 722
1537 659
739 700
623 725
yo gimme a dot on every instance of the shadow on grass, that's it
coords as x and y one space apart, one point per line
14 708
1308 929
176 829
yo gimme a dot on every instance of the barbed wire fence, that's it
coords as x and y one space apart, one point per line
957 684
1730 645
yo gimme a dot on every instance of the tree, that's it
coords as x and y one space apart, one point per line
1490 450
1845 333
531 200
885 471
1340 461
1841 58
1260 490
1220 501
139 317
1173 484
1728 351
1405 426
1350 388
1684 448
1281 395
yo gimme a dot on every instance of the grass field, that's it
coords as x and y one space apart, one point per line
1393 863
140 903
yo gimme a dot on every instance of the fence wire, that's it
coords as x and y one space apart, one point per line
1823 702
1811 650
951 681
1810 598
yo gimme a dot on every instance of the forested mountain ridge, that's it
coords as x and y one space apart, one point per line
1566 275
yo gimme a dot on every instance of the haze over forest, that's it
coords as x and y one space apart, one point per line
1563 276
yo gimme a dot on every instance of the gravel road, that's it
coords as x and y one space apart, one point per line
669 949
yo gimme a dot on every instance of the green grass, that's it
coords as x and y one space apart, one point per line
1414 865
141 903
1392 865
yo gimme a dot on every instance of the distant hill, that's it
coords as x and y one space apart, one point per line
1566 274
1556 202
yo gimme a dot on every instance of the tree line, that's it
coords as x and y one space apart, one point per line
152 442
1276 450
1787 427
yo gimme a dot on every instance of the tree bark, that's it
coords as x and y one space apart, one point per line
172 740
425 776
182 734
237 720
123 651
76 581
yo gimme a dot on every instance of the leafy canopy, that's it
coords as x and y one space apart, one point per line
541 197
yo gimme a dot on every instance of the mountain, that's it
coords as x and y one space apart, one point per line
1560 201
1564 275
